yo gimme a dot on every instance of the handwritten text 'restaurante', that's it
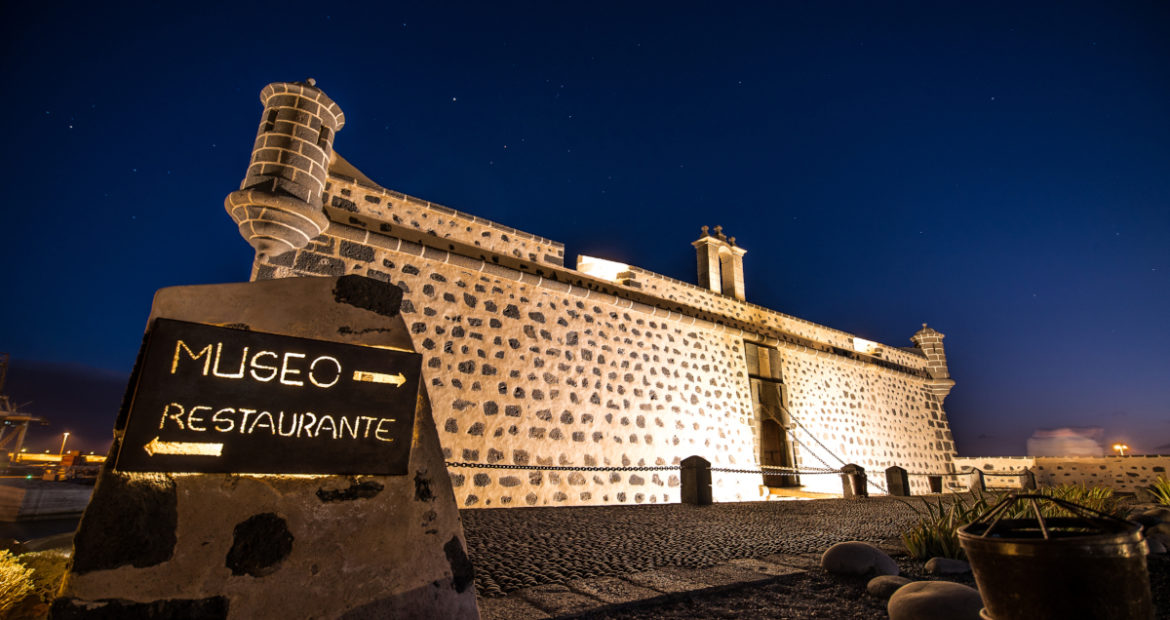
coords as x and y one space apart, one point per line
288 368
203 418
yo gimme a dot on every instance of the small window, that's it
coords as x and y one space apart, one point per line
270 122
323 139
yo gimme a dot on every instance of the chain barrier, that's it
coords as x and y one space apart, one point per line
811 451
968 473
766 470
770 472
814 438
807 470
564 467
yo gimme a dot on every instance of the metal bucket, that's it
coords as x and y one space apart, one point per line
1089 566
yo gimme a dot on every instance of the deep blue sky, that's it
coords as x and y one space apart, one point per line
1001 171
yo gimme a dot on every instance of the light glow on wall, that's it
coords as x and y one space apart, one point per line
600 268
861 345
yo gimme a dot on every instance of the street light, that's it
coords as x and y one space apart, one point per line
1120 448
66 438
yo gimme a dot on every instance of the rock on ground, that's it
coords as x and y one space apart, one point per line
857 558
931 600
884 586
947 566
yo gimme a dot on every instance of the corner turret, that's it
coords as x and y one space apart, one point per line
720 263
278 206
929 341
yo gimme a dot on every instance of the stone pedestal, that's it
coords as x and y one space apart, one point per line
897 481
853 481
193 545
696 481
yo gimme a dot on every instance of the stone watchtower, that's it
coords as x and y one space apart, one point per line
278 205
930 342
720 263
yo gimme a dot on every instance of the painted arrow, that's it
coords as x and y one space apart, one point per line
185 448
377 377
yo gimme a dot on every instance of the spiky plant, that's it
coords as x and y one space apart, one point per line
16 582
936 532
1161 490
1100 499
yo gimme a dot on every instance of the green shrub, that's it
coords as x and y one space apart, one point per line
1100 499
48 569
16 582
1161 490
936 532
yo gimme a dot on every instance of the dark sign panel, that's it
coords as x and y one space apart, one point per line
217 400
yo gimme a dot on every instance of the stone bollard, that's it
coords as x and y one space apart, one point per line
853 481
897 481
696 481
977 482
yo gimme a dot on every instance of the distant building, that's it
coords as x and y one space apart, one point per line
606 366
1067 442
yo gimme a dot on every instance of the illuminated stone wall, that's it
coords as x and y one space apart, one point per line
1121 473
531 363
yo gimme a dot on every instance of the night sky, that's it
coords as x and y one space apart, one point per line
1000 171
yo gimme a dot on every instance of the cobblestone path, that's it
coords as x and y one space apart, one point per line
514 548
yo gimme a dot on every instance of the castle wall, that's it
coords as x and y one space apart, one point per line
1125 474
531 364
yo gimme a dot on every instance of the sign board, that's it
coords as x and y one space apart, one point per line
218 400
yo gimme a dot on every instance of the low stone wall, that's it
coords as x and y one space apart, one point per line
1125 474
22 499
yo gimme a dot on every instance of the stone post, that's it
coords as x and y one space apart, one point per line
977 482
278 206
897 481
853 481
696 481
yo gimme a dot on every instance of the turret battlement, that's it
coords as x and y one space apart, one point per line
278 206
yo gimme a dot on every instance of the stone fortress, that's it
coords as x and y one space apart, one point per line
599 379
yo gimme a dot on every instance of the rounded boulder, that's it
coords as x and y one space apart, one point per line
930 600
947 566
884 586
857 558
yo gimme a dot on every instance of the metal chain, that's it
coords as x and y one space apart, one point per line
810 450
766 470
968 473
727 470
563 467
814 438
810 470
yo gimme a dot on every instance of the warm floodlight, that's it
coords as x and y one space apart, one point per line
1120 448
601 268
861 345
63 440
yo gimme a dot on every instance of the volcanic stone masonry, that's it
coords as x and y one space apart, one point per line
528 362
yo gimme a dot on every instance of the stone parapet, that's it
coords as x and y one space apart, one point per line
1126 474
376 213
394 213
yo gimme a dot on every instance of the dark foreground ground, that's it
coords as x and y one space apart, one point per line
534 562
518 551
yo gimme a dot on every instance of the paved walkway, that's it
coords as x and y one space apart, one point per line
549 562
